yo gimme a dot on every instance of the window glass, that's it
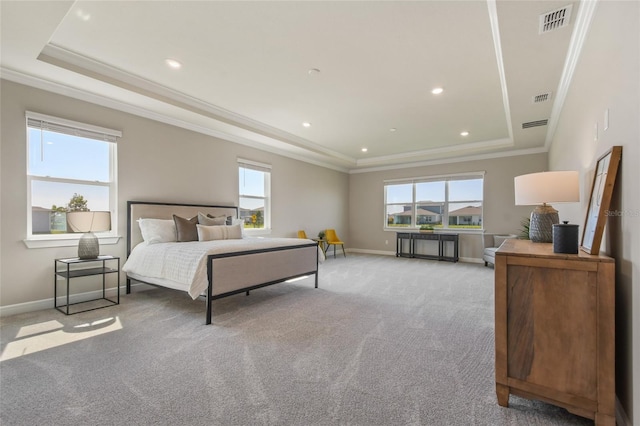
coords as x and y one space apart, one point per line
254 195
65 156
251 182
399 193
399 215
67 170
429 214
454 202
430 191
467 189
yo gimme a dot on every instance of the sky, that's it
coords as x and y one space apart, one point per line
460 190
70 157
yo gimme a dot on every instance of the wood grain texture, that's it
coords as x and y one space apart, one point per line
555 328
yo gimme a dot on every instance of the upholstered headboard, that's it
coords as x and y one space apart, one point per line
158 210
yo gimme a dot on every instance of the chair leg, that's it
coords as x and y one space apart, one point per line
343 252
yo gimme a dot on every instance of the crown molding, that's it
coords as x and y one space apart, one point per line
80 64
475 146
581 28
495 31
64 90
450 160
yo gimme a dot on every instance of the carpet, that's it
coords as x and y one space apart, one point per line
383 341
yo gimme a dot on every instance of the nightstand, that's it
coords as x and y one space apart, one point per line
68 269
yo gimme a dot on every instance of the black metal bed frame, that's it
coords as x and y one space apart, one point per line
211 257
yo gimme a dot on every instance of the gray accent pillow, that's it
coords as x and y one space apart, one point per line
209 220
186 228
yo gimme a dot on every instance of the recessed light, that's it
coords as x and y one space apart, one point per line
314 71
306 124
173 63
364 149
465 133
393 129
437 90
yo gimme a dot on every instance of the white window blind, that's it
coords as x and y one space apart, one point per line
72 128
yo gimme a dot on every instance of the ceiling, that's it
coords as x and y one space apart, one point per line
360 72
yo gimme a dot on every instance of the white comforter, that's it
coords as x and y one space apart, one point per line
186 263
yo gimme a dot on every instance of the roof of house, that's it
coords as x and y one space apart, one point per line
420 212
467 211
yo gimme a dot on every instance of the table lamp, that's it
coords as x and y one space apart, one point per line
89 222
540 189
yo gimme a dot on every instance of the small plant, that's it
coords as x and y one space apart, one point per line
524 231
321 235
426 227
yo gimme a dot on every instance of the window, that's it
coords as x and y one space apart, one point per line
254 194
70 166
443 202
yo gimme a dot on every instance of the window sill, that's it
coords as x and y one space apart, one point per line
64 241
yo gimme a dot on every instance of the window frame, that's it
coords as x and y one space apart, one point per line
446 203
74 128
267 170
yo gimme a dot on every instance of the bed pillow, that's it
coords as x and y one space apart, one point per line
157 230
219 232
234 231
240 223
209 220
186 228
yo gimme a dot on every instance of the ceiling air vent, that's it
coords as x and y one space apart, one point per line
555 19
534 124
542 97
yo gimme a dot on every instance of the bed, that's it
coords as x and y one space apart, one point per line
219 263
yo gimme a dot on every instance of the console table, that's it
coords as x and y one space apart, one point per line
554 330
416 237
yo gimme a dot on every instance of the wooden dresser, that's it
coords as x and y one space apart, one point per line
555 328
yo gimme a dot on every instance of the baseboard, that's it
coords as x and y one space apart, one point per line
366 251
393 253
39 305
622 419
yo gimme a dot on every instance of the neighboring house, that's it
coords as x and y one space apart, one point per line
47 221
423 216
247 215
470 215
41 220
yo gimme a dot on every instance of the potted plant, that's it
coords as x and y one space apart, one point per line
321 235
426 228
524 231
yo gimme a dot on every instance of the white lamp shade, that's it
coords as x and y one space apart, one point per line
547 187
89 221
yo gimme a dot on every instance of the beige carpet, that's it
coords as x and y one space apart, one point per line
383 341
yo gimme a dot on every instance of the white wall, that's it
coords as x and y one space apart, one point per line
156 162
607 77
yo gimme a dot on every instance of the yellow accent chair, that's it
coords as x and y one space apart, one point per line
333 240
302 234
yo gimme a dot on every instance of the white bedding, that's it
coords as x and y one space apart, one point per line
184 264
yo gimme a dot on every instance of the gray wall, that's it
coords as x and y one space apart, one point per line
366 201
156 162
607 76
